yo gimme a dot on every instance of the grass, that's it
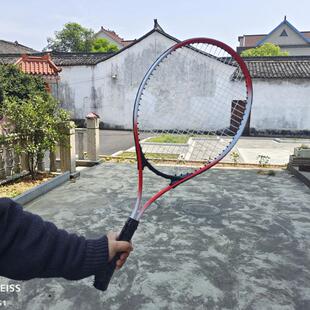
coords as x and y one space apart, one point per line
169 138
149 155
20 186
166 138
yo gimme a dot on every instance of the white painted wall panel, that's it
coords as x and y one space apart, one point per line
281 105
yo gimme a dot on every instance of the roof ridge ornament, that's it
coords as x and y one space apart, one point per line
157 26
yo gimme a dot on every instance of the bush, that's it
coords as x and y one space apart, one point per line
32 116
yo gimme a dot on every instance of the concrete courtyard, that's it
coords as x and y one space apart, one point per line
229 239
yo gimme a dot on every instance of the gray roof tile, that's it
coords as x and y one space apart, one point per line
289 67
14 47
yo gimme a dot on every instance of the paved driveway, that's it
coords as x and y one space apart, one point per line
230 239
112 141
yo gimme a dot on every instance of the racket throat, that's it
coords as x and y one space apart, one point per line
173 178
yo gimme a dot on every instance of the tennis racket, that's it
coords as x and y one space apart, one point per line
199 93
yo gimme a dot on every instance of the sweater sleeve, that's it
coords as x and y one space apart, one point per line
33 248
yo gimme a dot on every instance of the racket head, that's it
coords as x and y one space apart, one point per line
209 103
197 95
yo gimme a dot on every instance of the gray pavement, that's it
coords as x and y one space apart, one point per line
112 141
279 150
229 239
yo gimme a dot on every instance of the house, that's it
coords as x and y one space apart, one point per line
113 37
36 64
296 43
7 47
107 83
42 66
281 87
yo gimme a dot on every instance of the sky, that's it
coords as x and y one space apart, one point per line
31 22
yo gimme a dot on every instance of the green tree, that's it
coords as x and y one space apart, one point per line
72 38
14 83
103 45
32 116
34 127
267 49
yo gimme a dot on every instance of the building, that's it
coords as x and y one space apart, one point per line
281 87
7 47
113 37
107 83
42 66
296 43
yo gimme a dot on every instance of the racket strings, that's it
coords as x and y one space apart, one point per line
199 108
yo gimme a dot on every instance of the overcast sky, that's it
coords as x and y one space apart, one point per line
31 22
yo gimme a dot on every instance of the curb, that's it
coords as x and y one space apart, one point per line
220 164
41 189
299 175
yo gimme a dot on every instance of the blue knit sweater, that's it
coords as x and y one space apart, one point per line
33 248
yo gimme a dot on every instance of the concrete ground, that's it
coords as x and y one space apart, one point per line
279 150
229 239
111 141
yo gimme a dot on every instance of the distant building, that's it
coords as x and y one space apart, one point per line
107 83
296 43
113 37
42 66
7 47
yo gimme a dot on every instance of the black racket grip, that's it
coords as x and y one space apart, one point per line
103 279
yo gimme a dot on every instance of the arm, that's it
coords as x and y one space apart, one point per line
31 247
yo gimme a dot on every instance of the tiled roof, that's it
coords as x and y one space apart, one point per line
128 42
8 59
114 36
63 59
289 67
7 47
295 67
250 40
306 34
41 65
78 59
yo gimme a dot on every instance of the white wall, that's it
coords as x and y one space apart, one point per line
109 88
281 105
76 90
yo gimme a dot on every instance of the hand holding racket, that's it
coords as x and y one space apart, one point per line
198 91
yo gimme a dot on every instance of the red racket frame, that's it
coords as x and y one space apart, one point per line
102 280
249 89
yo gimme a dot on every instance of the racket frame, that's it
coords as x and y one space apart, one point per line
143 162
102 279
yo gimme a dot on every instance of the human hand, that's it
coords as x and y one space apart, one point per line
115 247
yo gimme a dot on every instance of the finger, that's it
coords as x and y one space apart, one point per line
119 264
124 256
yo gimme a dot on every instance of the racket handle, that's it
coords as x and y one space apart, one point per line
103 279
